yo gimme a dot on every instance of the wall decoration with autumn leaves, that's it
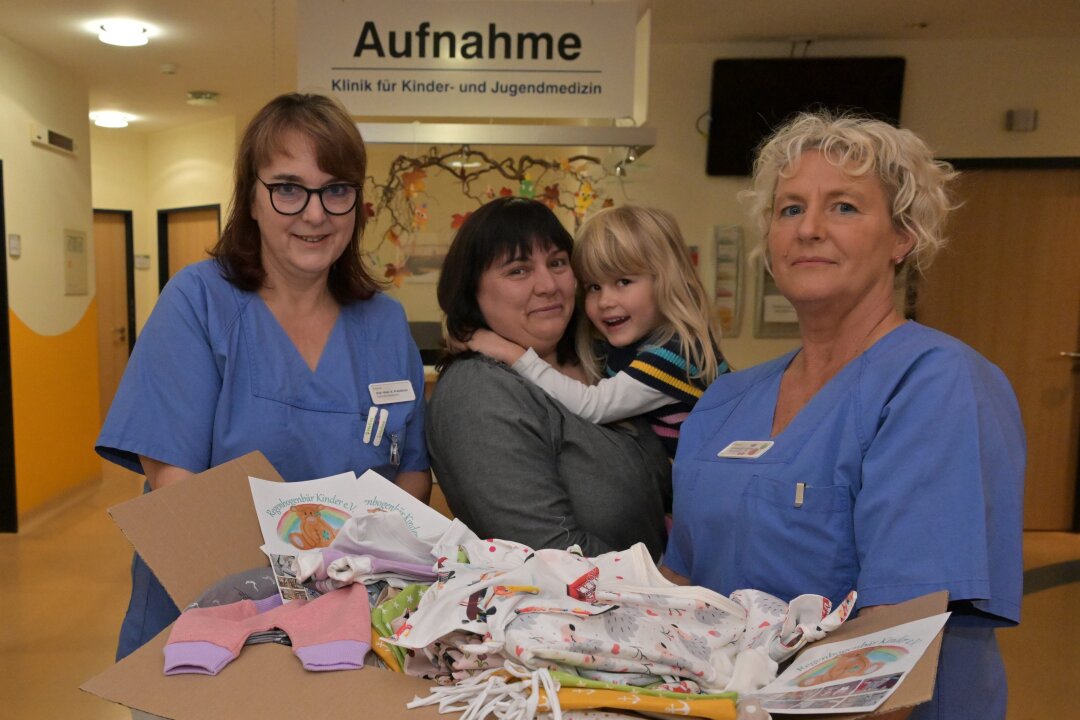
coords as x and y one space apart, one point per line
413 212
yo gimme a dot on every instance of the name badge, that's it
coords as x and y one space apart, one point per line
386 393
746 449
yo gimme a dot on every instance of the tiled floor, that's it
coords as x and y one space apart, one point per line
65 587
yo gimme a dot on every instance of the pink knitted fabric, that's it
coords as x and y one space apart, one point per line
332 632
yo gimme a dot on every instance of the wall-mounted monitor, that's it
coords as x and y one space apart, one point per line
750 97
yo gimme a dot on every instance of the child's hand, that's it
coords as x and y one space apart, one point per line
495 346
455 346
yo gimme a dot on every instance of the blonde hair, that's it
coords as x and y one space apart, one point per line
633 240
915 183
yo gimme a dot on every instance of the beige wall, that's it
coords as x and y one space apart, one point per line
956 94
145 173
45 191
54 363
119 176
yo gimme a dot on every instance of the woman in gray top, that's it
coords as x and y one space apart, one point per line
512 462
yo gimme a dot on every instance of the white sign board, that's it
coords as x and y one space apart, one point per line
460 58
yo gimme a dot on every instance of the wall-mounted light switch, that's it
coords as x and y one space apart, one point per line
14 245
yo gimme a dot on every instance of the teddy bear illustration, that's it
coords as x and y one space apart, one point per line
315 532
854 663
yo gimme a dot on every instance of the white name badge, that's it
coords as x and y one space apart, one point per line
391 392
746 449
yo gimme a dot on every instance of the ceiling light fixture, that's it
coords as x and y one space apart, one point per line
125 33
202 98
110 119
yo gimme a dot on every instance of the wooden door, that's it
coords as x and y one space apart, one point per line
1009 286
190 233
111 279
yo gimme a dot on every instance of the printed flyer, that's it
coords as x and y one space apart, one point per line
307 515
856 675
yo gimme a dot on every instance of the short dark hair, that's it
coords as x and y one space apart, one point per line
340 152
505 227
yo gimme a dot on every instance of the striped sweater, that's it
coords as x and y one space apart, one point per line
663 368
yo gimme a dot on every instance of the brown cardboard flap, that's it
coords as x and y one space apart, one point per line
265 681
918 686
196 532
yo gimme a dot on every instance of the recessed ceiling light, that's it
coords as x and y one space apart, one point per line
110 119
202 98
125 33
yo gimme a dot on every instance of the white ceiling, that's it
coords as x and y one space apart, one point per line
246 50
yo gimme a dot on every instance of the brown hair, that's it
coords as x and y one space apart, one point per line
340 152
509 226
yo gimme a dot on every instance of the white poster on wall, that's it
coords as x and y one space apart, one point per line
460 58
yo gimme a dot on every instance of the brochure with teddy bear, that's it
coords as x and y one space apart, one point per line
307 515
856 675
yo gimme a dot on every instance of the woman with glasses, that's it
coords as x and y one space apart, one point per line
280 343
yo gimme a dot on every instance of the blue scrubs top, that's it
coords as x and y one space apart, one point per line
213 376
912 459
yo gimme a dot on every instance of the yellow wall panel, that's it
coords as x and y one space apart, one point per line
55 398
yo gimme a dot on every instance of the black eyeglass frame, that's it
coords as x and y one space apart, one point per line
310 191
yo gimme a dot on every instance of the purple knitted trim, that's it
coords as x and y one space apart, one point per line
329 555
413 570
198 656
267 604
336 655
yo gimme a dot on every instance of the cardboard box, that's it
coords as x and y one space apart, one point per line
194 533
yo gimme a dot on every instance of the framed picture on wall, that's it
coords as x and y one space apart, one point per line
727 290
774 316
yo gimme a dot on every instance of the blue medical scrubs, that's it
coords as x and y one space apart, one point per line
902 476
214 376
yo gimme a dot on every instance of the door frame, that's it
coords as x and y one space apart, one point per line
129 268
163 236
1018 163
9 511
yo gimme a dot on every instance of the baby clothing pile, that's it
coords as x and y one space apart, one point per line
508 631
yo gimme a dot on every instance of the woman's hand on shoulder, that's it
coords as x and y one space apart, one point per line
495 346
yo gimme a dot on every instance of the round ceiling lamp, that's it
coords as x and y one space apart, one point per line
125 33
111 119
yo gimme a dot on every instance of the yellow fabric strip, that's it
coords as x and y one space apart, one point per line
588 698
380 648
666 378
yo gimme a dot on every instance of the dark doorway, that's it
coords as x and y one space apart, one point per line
9 513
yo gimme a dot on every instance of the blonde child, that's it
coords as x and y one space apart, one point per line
651 344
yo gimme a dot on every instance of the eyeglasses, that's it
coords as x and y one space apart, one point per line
290 199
